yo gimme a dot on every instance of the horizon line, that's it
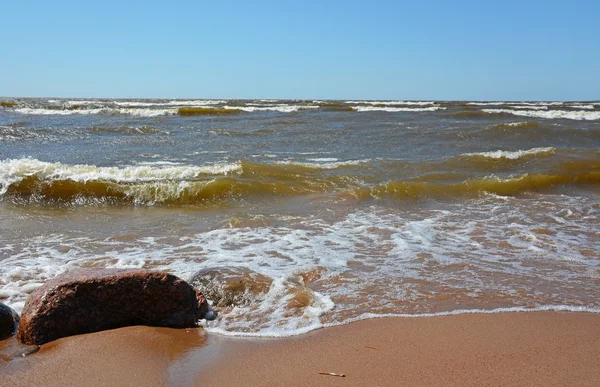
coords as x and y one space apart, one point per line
306 99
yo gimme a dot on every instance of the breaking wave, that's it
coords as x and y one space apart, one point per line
396 109
34 180
476 187
499 154
550 114
140 112
392 103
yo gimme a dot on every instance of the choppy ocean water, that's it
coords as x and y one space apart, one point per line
323 211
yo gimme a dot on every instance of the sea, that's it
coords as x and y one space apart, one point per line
312 213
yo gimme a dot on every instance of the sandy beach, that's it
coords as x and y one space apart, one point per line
513 349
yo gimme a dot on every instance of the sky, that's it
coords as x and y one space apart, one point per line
442 50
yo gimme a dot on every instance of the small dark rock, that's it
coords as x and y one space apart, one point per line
92 300
8 321
227 287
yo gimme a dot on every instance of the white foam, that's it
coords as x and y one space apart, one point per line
172 103
82 102
372 261
392 103
396 109
199 102
366 316
144 112
529 107
57 112
551 114
136 103
391 245
590 107
266 104
128 111
277 108
513 155
514 123
158 163
516 103
325 163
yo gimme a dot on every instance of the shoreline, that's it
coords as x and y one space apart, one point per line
510 348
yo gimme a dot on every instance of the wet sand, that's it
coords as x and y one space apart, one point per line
515 349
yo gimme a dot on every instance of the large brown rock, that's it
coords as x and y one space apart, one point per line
8 321
91 300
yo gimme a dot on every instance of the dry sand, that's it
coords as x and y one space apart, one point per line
510 349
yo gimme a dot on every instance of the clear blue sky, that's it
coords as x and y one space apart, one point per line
535 50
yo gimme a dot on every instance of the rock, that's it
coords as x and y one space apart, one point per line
228 287
92 300
8 321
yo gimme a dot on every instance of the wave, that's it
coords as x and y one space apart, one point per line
35 180
79 104
83 102
325 163
551 114
273 108
196 102
237 133
527 107
137 104
497 103
499 154
14 132
532 130
392 103
14 171
509 126
129 130
140 112
203 111
334 106
396 109
471 114
475 187
144 112
589 107
62 112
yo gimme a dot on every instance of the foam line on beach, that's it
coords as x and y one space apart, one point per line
367 316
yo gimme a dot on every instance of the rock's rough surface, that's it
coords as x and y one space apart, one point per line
91 300
8 321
